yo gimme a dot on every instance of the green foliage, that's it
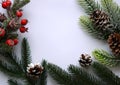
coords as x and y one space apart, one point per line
113 10
43 78
83 77
61 76
25 51
89 5
19 4
105 74
11 82
88 26
11 71
106 58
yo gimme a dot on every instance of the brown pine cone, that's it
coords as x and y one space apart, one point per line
114 43
34 71
85 60
100 20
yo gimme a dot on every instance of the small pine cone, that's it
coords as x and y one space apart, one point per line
34 71
101 20
2 17
85 60
114 43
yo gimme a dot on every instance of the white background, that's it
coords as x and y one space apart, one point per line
55 34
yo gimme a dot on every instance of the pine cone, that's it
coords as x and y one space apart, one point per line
114 43
85 60
34 71
100 20
2 17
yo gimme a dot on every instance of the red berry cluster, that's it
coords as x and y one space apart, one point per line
22 29
6 4
12 42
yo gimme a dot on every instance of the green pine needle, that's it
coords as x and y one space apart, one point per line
88 26
12 82
105 74
25 51
10 70
113 10
19 4
43 77
83 77
89 5
106 58
61 76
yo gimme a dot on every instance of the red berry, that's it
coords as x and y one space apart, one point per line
8 2
4 5
24 21
10 42
15 41
19 13
2 32
23 29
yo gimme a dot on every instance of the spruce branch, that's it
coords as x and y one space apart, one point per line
83 77
106 58
89 5
88 26
11 71
105 74
12 82
43 77
19 4
61 76
113 10
25 51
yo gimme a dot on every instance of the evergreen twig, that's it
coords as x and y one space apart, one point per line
61 76
113 10
83 77
106 58
25 51
105 74
10 70
43 78
89 5
19 4
11 82
88 26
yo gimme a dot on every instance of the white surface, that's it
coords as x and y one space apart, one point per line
55 33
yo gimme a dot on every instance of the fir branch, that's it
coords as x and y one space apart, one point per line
106 58
61 76
105 74
113 10
89 5
88 26
25 52
83 77
19 5
43 77
11 71
12 82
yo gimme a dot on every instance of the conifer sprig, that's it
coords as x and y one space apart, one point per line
12 82
89 5
113 10
25 51
105 74
88 26
83 77
61 76
106 58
